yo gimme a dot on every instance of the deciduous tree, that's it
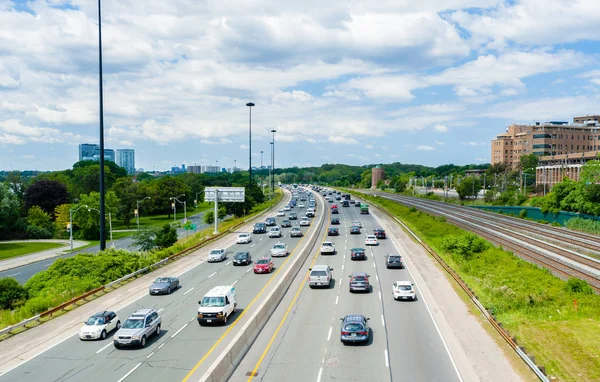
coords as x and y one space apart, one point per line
47 194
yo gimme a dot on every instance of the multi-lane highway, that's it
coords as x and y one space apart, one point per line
182 342
301 340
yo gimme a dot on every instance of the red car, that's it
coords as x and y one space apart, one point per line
379 233
334 206
264 265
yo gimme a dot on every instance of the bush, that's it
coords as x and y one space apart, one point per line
166 236
144 239
576 285
209 217
523 213
10 292
464 245
584 225
35 232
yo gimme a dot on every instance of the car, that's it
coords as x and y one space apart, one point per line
300 205
357 204
359 281
243 238
279 250
371 240
259 228
270 222
287 208
334 211
335 220
354 230
136 329
293 216
403 290
217 255
394 260
351 201
296 232
242 258
305 222
357 223
164 285
281 213
320 276
354 328
345 203
99 325
274 232
286 224
330 200
358 254
338 198
310 213
327 248
264 265
379 233
334 206
333 231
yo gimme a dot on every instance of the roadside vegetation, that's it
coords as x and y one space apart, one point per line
10 250
555 320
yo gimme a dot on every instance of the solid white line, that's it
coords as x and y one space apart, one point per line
387 361
235 282
212 274
161 345
188 291
160 310
228 263
337 299
380 295
130 371
249 269
329 334
179 331
382 320
149 355
107 345
318 376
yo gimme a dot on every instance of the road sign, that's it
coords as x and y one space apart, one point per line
226 194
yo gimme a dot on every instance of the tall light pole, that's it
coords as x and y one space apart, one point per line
174 205
71 211
109 224
261 159
250 104
102 213
137 211
273 162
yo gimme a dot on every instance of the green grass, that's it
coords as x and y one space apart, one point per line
10 250
535 306
158 220
116 236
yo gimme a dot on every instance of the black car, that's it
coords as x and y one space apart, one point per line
335 220
242 258
292 216
270 222
357 204
333 231
394 261
334 211
286 224
259 228
379 233
338 198
355 230
345 203
358 254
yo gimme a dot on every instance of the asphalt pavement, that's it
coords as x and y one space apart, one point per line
25 272
182 342
405 344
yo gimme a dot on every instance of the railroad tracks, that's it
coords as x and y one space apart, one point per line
543 245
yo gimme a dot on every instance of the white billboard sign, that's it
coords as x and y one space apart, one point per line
226 194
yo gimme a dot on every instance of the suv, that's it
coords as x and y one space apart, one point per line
275 232
327 248
345 203
393 261
379 233
260 228
359 281
304 222
286 224
136 330
320 275
270 222
296 232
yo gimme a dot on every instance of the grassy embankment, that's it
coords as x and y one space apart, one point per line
535 306
10 250
68 278
158 220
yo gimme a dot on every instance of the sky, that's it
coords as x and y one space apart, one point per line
375 81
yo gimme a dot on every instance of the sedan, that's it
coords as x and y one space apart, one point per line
359 282
358 254
335 221
333 231
357 223
99 325
287 208
270 222
264 265
275 232
403 290
300 205
354 328
354 230
293 216
281 213
371 240
164 285
305 222
243 238
296 232
242 258
217 255
334 211
279 250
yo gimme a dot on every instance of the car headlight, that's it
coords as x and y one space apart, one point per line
135 337
220 314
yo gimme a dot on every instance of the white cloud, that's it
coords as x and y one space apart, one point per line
473 143
244 147
425 148
440 143
483 160
440 128
369 146
344 140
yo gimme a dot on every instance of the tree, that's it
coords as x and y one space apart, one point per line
47 194
61 220
39 223
9 210
127 192
469 187
10 292
590 172
144 239
209 217
529 162
16 183
222 212
88 220
166 236
161 190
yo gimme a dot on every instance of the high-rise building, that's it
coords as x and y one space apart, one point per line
126 159
109 154
377 174
88 151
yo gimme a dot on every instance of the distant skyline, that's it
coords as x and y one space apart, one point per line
427 83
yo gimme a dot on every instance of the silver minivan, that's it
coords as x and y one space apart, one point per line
320 276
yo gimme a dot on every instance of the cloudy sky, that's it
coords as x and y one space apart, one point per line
429 81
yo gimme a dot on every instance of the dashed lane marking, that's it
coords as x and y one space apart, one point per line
188 291
130 371
212 274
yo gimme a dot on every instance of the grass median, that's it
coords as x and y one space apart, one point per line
555 320
10 250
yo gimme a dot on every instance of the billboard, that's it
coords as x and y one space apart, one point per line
226 194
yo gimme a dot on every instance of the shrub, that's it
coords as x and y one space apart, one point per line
576 285
209 217
144 239
35 232
464 245
10 292
523 213
413 209
166 236
584 225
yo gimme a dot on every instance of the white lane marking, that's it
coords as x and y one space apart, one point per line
235 282
374 266
179 331
13 274
387 361
228 263
252 245
377 278
249 269
329 334
149 355
188 291
130 371
261 238
163 344
160 310
380 295
337 299
212 274
99 351
382 320
342 268
320 373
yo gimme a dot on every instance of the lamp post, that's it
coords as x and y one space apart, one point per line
71 211
196 200
261 159
101 101
273 162
174 206
137 211
250 104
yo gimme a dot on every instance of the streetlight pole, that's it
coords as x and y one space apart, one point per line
137 211
109 224
273 162
196 200
101 99
174 205
250 104
71 211
261 159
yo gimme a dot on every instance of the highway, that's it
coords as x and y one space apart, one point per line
25 272
182 342
301 340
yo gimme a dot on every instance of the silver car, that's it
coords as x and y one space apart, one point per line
275 232
279 250
164 285
136 330
217 255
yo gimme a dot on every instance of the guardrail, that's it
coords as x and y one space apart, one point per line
74 301
529 360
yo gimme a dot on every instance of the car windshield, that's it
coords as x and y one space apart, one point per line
370 237
353 327
274 229
243 235
215 252
279 246
394 259
404 287
161 280
240 255
359 278
354 227
263 261
133 324
213 301
95 321
327 244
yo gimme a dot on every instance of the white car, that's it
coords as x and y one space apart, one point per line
287 208
99 325
371 240
404 290
217 255
243 238
275 232
327 248
279 250
300 205
357 223
305 222
281 213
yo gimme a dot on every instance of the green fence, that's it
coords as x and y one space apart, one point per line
537 214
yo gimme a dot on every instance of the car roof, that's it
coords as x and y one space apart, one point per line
371 237
357 249
320 267
141 312
362 274
327 242
242 253
266 257
394 254
220 290
404 282
102 314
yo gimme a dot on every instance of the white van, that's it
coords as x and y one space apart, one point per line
218 305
